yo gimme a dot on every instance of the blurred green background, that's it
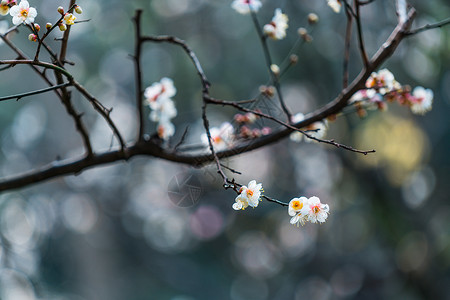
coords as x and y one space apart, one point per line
113 233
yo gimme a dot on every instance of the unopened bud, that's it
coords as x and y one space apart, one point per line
37 27
48 26
332 118
313 18
269 91
302 32
78 9
293 59
62 26
275 69
32 37
60 10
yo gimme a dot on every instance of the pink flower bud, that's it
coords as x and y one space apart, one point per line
32 37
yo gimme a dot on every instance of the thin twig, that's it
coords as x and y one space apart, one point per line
138 74
428 27
362 47
348 35
287 125
22 95
268 58
187 49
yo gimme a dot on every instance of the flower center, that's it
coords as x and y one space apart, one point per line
216 139
316 209
24 13
249 193
297 205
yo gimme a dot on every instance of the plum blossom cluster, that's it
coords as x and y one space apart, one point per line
22 13
304 210
381 87
246 130
316 129
301 209
158 98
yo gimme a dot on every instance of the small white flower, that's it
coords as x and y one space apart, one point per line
297 136
163 109
383 81
249 195
314 211
221 138
246 6
422 100
165 130
4 8
23 13
335 5
241 203
277 28
164 89
294 210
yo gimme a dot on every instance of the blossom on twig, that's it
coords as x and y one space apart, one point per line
249 196
335 5
276 29
421 100
23 13
246 6
158 98
221 138
304 210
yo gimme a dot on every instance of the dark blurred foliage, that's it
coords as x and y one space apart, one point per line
112 232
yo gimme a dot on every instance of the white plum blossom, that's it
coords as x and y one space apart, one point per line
23 13
294 210
335 5
246 6
165 130
422 100
277 28
314 211
241 203
162 89
158 98
297 136
4 8
162 110
248 195
383 81
221 138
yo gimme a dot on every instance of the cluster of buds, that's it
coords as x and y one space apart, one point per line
68 18
381 87
268 91
246 132
303 33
